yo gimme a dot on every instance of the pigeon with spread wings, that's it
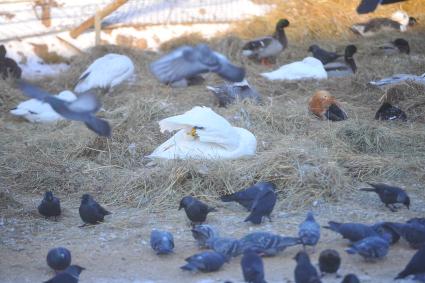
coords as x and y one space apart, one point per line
82 109
186 62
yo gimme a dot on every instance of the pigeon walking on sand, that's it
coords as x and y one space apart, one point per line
70 275
305 272
252 267
82 109
389 195
415 266
267 244
196 210
50 206
370 248
229 247
162 242
90 211
309 231
58 259
208 261
329 261
247 196
186 62
204 232
262 205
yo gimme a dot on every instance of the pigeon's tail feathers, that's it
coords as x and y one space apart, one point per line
334 226
99 126
189 267
351 251
254 218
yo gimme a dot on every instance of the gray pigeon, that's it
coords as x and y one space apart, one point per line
90 211
352 231
82 109
70 275
329 261
58 258
309 231
416 220
229 93
187 61
367 6
350 278
386 232
305 272
205 261
50 206
389 195
263 205
415 266
252 267
228 247
162 242
413 233
247 196
202 233
370 248
195 209
323 55
267 244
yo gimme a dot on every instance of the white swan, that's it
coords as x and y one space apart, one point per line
105 72
203 134
37 111
309 68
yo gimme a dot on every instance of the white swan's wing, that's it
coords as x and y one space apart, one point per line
308 68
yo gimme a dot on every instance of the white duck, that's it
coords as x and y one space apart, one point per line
203 134
309 68
105 72
37 111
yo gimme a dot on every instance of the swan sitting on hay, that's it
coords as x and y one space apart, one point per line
203 134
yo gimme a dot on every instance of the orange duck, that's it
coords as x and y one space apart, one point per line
324 105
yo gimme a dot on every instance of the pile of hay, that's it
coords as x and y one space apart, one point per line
308 159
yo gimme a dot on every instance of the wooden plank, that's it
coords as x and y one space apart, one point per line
90 21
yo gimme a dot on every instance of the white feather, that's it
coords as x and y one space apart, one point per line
37 111
309 68
106 72
215 137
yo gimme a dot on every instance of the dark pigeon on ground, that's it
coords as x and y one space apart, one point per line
417 221
389 195
367 6
202 233
386 232
305 272
390 113
8 66
162 242
196 210
262 206
252 267
233 92
414 234
188 61
352 231
50 206
350 278
247 196
309 231
70 275
267 244
58 258
82 109
329 261
415 266
90 211
229 247
370 248
323 55
205 261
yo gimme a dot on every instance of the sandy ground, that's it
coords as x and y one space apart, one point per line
119 251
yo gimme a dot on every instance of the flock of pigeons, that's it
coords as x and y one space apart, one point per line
183 67
372 242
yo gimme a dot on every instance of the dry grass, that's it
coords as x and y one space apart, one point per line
307 158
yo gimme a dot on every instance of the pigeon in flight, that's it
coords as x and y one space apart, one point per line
367 6
82 109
